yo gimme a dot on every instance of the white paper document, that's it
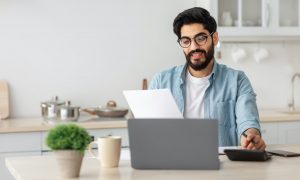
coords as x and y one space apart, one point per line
222 148
157 103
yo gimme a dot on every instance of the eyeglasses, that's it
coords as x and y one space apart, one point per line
200 39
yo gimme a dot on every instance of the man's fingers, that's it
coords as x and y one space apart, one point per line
257 139
261 145
251 137
253 142
244 142
250 146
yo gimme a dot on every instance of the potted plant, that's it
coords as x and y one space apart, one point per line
69 142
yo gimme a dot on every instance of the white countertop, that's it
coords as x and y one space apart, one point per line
277 115
36 167
38 124
93 122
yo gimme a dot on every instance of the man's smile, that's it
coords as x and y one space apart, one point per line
197 56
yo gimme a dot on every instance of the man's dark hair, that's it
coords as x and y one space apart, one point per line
194 15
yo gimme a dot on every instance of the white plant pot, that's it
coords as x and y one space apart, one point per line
69 162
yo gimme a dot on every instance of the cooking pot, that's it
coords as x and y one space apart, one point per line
49 108
110 110
67 112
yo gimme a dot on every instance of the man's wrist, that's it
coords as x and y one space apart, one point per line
253 131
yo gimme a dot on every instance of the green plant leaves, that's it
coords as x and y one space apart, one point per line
68 137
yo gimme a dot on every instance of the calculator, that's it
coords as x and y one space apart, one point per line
247 155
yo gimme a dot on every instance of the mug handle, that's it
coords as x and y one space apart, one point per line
90 149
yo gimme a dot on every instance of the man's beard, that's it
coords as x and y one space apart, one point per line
201 63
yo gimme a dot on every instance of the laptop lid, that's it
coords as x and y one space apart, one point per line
173 143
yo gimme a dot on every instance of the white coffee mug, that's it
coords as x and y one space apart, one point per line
109 150
238 54
260 54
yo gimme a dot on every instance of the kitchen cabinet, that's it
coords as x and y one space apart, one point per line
20 142
281 132
17 144
269 132
247 19
289 132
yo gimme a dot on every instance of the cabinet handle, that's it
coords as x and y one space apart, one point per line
268 14
110 134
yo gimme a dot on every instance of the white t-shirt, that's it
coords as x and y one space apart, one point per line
195 90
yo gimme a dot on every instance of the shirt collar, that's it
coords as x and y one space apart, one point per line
214 71
183 74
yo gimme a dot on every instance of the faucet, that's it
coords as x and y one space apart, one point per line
292 103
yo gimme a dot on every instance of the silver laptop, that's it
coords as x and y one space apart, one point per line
174 143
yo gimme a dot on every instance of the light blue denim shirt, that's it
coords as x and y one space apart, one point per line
229 98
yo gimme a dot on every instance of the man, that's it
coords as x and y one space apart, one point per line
204 88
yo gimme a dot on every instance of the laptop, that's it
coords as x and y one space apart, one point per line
186 144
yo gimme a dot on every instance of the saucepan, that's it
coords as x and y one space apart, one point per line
68 113
49 108
59 111
110 110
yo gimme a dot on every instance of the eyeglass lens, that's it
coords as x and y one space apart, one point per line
200 39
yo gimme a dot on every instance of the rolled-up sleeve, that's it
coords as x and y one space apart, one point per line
246 109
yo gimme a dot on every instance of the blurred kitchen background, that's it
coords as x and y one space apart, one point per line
89 51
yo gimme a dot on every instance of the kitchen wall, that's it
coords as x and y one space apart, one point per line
271 77
89 51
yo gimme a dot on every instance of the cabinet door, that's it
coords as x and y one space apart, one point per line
257 18
4 172
269 132
20 142
228 13
241 13
241 17
288 13
289 132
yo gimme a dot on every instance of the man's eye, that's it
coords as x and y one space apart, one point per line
185 41
200 38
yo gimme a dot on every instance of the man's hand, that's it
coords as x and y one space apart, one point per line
253 140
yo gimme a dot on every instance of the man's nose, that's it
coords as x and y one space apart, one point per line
194 45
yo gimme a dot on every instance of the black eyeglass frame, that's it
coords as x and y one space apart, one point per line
197 35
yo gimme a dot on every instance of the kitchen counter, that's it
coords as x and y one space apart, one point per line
91 122
278 115
35 167
38 124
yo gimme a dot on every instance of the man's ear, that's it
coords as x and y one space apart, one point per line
215 38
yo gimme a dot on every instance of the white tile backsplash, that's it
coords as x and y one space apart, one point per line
271 78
